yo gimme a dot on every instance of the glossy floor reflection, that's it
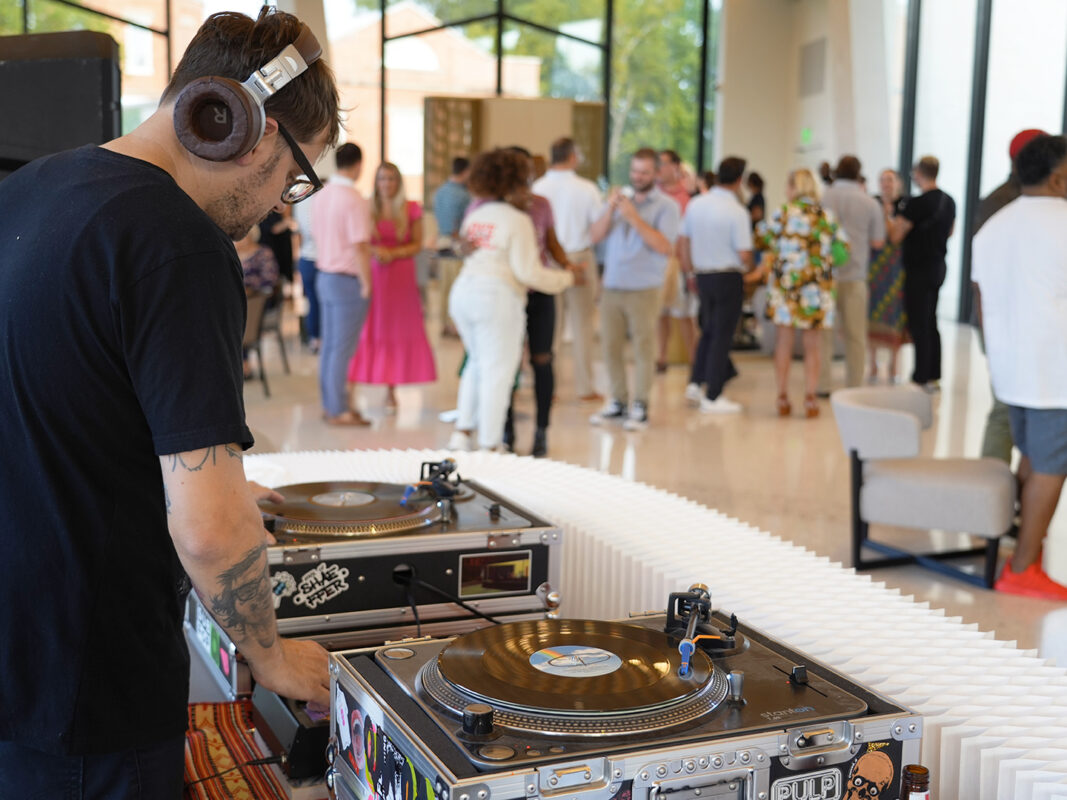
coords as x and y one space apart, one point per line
786 476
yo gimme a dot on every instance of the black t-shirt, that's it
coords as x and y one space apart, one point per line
932 215
122 311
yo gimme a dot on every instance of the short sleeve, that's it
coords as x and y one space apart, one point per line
414 210
360 227
181 328
741 232
667 222
913 210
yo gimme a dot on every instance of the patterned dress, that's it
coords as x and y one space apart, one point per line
887 321
801 237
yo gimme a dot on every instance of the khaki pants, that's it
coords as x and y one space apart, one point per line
634 312
448 268
577 310
851 321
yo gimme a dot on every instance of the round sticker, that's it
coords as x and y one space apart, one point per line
575 661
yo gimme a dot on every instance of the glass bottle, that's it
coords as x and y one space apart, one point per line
915 783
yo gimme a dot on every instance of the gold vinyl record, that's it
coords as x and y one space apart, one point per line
348 508
572 667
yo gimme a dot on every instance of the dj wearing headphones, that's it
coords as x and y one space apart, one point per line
123 426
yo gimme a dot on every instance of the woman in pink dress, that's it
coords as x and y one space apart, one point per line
393 348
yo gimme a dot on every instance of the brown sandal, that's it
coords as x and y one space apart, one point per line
811 406
785 408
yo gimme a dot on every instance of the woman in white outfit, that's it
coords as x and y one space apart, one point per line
488 299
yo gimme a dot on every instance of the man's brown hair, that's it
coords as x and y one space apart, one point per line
561 150
231 45
646 154
848 168
928 167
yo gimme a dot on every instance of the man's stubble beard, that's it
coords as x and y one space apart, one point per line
235 212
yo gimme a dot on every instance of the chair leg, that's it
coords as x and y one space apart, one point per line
992 551
281 346
859 526
262 371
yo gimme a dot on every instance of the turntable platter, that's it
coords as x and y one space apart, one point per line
574 676
348 509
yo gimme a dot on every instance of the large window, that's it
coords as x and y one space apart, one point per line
1027 65
141 29
943 114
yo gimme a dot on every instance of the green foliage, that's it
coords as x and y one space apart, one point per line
48 17
655 65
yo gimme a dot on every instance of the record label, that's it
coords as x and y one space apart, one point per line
575 661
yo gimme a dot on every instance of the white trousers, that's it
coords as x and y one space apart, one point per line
491 321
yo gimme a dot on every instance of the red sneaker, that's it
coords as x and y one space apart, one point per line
1031 582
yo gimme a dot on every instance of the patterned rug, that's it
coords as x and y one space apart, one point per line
219 744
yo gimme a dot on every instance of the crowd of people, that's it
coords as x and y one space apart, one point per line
666 251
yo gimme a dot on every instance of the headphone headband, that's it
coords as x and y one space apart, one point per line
284 67
220 119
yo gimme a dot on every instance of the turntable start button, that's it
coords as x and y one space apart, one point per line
398 653
496 752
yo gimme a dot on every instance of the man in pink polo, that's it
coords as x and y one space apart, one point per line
342 231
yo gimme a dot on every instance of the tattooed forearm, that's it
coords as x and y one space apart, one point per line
196 460
244 605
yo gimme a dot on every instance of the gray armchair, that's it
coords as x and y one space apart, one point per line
891 485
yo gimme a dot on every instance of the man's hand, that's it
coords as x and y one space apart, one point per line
691 283
465 247
578 271
261 492
300 671
627 209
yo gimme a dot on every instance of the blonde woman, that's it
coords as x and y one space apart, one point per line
393 348
801 244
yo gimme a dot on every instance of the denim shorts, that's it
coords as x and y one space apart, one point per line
1041 435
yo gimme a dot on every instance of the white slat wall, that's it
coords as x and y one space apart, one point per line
995 716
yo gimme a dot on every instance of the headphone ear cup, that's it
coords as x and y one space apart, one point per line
217 119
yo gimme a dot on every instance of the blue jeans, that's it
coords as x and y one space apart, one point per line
343 311
308 274
145 773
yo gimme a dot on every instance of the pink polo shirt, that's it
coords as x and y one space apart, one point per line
340 221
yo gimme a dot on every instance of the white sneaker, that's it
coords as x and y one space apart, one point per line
720 405
613 411
637 419
449 416
459 441
693 393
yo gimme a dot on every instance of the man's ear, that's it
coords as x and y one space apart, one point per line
270 131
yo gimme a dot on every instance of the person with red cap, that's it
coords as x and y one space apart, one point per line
997 441
1019 261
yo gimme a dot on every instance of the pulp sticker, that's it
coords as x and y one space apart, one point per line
321 585
575 661
825 785
282 584
868 775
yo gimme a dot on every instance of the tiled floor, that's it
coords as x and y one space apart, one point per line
787 476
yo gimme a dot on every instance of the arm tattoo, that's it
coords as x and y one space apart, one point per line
244 605
198 459
166 497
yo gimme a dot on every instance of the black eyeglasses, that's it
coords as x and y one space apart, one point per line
305 185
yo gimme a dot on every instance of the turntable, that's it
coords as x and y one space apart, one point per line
687 705
359 563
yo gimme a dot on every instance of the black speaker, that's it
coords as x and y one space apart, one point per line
57 91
